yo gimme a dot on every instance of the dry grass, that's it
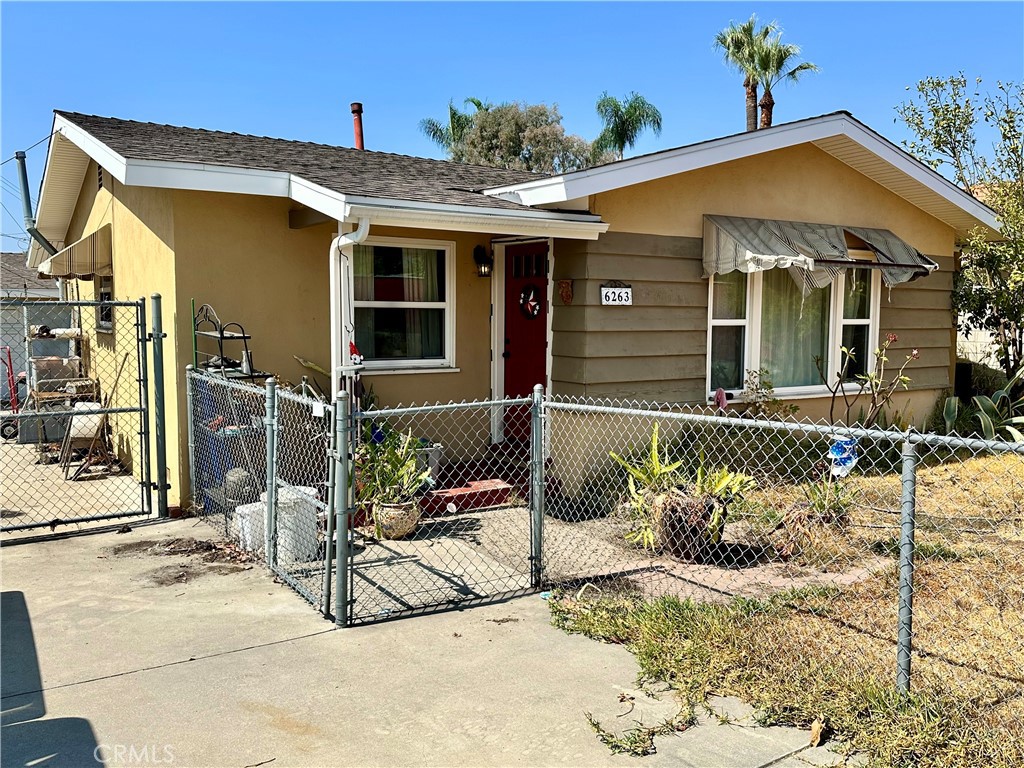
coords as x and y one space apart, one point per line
829 650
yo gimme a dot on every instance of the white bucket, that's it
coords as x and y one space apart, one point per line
296 523
251 522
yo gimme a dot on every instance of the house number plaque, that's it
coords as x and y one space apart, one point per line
616 294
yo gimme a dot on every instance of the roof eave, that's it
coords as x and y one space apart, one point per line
167 174
591 181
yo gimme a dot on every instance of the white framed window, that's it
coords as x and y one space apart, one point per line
404 300
763 320
105 315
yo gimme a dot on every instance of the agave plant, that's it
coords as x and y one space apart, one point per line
999 413
723 486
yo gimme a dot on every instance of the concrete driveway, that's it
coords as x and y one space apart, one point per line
113 652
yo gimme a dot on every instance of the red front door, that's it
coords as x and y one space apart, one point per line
526 327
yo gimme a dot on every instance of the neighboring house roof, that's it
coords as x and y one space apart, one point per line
839 134
18 280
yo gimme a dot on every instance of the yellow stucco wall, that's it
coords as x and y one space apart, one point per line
143 263
238 254
800 183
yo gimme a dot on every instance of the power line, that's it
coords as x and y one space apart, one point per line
11 190
47 136
12 218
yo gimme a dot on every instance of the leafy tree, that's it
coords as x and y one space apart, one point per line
527 137
624 121
452 135
775 64
945 117
740 44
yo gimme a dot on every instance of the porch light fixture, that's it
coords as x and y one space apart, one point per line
484 261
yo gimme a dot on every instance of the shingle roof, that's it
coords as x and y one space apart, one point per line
348 171
17 279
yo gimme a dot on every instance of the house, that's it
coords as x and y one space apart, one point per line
661 277
19 282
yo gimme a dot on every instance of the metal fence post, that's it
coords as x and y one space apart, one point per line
159 412
908 504
537 484
270 529
329 533
189 387
145 431
342 554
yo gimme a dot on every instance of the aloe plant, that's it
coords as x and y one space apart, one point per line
668 512
387 469
654 473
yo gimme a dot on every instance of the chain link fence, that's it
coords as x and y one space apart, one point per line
808 556
829 548
260 469
75 422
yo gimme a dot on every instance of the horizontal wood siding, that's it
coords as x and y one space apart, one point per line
920 314
655 349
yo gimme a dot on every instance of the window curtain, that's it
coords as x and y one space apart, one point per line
419 273
363 290
794 330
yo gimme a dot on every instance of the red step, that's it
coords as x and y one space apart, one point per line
478 494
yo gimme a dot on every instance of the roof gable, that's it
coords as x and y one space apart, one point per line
839 134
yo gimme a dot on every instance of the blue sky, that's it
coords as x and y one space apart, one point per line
291 69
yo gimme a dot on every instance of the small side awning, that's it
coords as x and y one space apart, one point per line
90 256
813 253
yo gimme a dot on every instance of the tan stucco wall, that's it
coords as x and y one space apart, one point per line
238 254
800 183
143 264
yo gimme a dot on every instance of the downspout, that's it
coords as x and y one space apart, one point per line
26 204
342 311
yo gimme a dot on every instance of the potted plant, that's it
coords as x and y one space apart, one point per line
389 479
668 513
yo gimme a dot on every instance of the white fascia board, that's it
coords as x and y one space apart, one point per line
592 181
383 214
538 213
107 158
326 201
201 177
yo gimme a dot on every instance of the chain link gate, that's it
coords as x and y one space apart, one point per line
469 531
77 440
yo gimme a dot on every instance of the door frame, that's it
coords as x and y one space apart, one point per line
498 324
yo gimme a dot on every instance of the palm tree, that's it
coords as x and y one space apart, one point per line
740 43
624 121
775 61
451 136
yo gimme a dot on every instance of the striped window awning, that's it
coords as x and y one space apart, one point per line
814 254
89 257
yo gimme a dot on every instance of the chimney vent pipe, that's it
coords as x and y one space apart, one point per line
357 123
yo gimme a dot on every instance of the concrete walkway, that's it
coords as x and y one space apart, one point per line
143 659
